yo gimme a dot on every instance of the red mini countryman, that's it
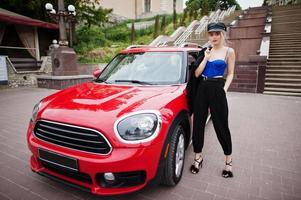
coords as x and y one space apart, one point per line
127 128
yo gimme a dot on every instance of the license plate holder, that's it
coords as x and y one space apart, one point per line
58 160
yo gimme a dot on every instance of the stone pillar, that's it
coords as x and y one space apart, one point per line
64 62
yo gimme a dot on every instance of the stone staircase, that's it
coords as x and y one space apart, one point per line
283 72
245 38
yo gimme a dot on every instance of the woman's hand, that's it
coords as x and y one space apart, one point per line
207 54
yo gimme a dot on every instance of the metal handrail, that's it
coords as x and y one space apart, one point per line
10 47
214 16
186 34
202 24
202 21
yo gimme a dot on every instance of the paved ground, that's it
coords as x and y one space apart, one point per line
266 132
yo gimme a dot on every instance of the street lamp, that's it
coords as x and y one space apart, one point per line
64 61
62 17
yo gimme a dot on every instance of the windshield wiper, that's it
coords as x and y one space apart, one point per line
101 81
135 81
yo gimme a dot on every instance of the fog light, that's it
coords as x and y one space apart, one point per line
109 177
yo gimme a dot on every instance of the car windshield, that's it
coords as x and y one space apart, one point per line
148 68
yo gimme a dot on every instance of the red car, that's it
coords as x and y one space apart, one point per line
127 128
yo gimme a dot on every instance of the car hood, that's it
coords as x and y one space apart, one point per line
92 104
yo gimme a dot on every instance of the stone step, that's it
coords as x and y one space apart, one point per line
279 9
282 93
279 62
288 71
282 89
285 34
286 7
285 41
277 38
280 54
283 55
284 51
281 42
284 85
286 14
285 59
280 80
282 39
283 75
285 45
284 67
285 48
285 29
286 21
285 18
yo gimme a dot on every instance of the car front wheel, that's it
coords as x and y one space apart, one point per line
175 159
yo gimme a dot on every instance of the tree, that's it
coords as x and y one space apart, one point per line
183 19
163 24
90 15
133 32
225 4
156 32
207 5
87 11
174 14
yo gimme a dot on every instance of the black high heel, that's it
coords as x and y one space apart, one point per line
194 169
227 173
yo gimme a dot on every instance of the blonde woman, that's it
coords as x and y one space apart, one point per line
211 95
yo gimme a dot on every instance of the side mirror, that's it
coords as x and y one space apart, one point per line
96 73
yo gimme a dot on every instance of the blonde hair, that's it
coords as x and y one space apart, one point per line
224 38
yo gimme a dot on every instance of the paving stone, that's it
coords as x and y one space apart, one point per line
266 154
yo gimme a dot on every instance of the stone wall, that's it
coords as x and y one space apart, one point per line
61 82
27 78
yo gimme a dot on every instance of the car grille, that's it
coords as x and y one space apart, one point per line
70 136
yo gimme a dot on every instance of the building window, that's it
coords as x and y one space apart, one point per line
147 6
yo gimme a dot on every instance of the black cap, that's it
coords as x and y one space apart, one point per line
216 27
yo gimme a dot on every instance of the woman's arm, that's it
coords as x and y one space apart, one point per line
230 74
202 65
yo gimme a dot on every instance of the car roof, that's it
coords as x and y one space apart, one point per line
159 49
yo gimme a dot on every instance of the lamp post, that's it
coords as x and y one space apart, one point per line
64 60
62 17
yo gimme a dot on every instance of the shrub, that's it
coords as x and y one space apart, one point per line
89 38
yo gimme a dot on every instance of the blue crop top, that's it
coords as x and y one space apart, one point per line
215 68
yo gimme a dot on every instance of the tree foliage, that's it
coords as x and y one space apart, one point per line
88 11
204 6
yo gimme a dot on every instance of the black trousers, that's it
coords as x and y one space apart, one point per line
211 95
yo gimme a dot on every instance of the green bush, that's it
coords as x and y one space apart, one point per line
118 33
89 38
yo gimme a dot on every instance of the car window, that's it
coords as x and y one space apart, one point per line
151 67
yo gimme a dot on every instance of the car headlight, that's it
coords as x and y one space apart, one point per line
139 126
35 112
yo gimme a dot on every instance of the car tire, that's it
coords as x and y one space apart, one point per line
174 164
